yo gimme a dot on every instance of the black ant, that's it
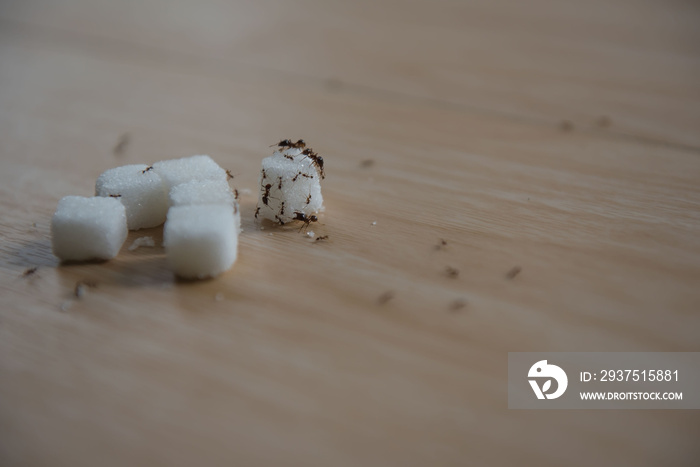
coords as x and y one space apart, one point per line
282 209
279 220
266 196
316 160
115 196
451 272
264 175
30 271
287 156
257 211
566 125
303 175
287 143
513 272
150 167
322 237
385 297
279 185
308 199
300 216
121 145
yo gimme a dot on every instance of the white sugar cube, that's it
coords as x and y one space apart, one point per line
88 228
177 171
140 190
202 192
197 192
289 183
200 240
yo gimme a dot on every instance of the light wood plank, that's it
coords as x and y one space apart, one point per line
633 62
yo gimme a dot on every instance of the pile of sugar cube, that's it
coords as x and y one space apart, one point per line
193 198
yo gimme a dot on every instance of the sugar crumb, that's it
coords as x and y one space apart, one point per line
81 288
142 241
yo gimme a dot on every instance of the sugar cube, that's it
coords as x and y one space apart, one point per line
140 190
289 183
200 240
197 192
202 192
88 228
177 171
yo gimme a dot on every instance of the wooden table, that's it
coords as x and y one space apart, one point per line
557 136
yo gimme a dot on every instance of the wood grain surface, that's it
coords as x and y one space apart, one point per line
362 349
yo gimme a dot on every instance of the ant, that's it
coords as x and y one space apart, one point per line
150 167
287 156
279 220
264 175
300 216
513 272
235 193
30 271
316 160
451 272
308 199
441 245
287 143
385 297
279 185
115 196
322 237
282 209
303 175
121 145
266 196
229 175
257 211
